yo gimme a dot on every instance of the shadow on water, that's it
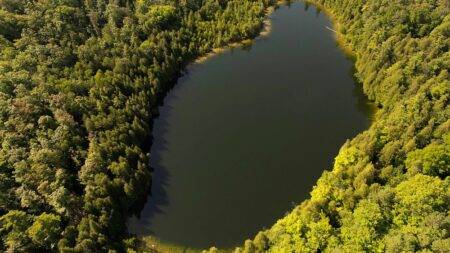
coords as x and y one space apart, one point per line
362 103
318 11
154 203
306 6
247 46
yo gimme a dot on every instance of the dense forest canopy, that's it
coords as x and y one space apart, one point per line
388 190
79 84
80 81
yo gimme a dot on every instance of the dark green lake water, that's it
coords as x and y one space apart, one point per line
246 134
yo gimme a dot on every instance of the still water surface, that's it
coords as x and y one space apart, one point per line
247 133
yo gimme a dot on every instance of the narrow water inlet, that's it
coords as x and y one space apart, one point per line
247 133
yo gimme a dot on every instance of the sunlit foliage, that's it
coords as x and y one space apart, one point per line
388 190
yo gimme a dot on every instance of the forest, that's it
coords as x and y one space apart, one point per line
388 190
81 80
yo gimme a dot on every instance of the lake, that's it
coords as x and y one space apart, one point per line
244 135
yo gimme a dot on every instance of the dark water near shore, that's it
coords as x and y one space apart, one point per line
247 133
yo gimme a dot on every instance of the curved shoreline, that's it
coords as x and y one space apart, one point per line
156 244
265 30
153 243
336 26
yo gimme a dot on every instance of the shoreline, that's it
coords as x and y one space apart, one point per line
336 26
265 30
348 52
155 244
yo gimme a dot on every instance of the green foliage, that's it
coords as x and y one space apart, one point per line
45 230
79 87
360 230
432 160
80 82
388 190
156 16
13 225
